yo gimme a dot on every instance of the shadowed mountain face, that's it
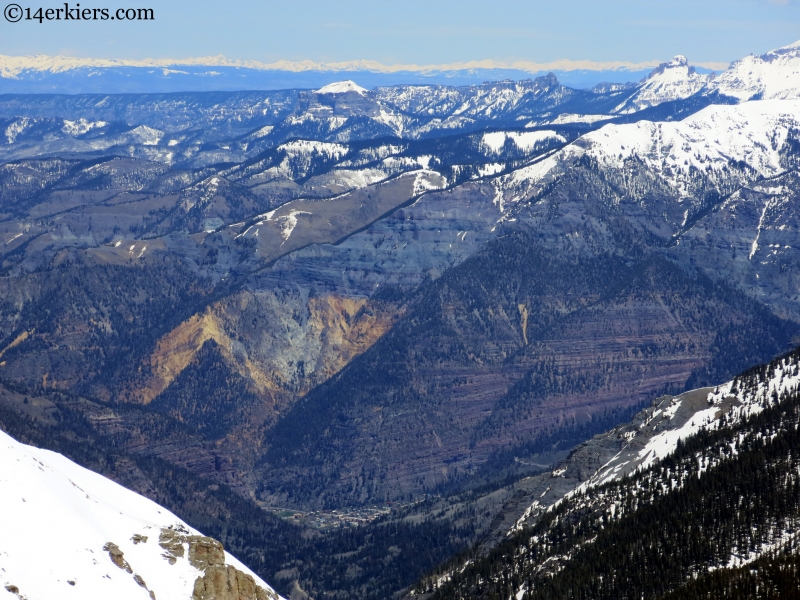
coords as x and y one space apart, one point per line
650 508
514 343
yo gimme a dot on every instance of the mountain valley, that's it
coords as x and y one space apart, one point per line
461 307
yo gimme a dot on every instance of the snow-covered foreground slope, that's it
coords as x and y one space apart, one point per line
66 532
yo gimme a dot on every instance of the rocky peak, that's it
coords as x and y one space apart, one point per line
547 81
678 61
219 581
672 80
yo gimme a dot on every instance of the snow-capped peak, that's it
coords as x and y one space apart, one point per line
67 532
340 87
774 75
705 144
679 60
672 80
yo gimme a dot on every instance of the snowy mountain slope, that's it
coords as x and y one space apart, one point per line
673 80
673 420
718 148
341 87
442 107
651 436
67 532
774 75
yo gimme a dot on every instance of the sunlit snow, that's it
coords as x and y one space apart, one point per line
58 516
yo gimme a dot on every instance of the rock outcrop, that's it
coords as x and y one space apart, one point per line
219 581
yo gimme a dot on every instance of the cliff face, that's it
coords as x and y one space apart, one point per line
282 343
574 353
648 487
219 581
602 334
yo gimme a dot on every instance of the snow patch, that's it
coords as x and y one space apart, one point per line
15 128
81 126
288 222
524 140
309 147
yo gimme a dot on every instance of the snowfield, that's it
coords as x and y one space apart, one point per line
525 140
341 87
57 521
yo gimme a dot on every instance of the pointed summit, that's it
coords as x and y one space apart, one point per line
678 68
672 80
679 60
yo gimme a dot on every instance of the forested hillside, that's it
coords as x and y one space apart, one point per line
685 527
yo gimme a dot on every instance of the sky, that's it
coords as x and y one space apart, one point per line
422 32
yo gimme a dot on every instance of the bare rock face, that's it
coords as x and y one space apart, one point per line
117 557
205 552
219 581
228 583
172 543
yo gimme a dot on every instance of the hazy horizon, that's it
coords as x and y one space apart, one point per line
710 33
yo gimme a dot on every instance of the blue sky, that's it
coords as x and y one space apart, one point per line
419 31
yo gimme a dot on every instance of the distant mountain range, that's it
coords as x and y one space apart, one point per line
46 74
